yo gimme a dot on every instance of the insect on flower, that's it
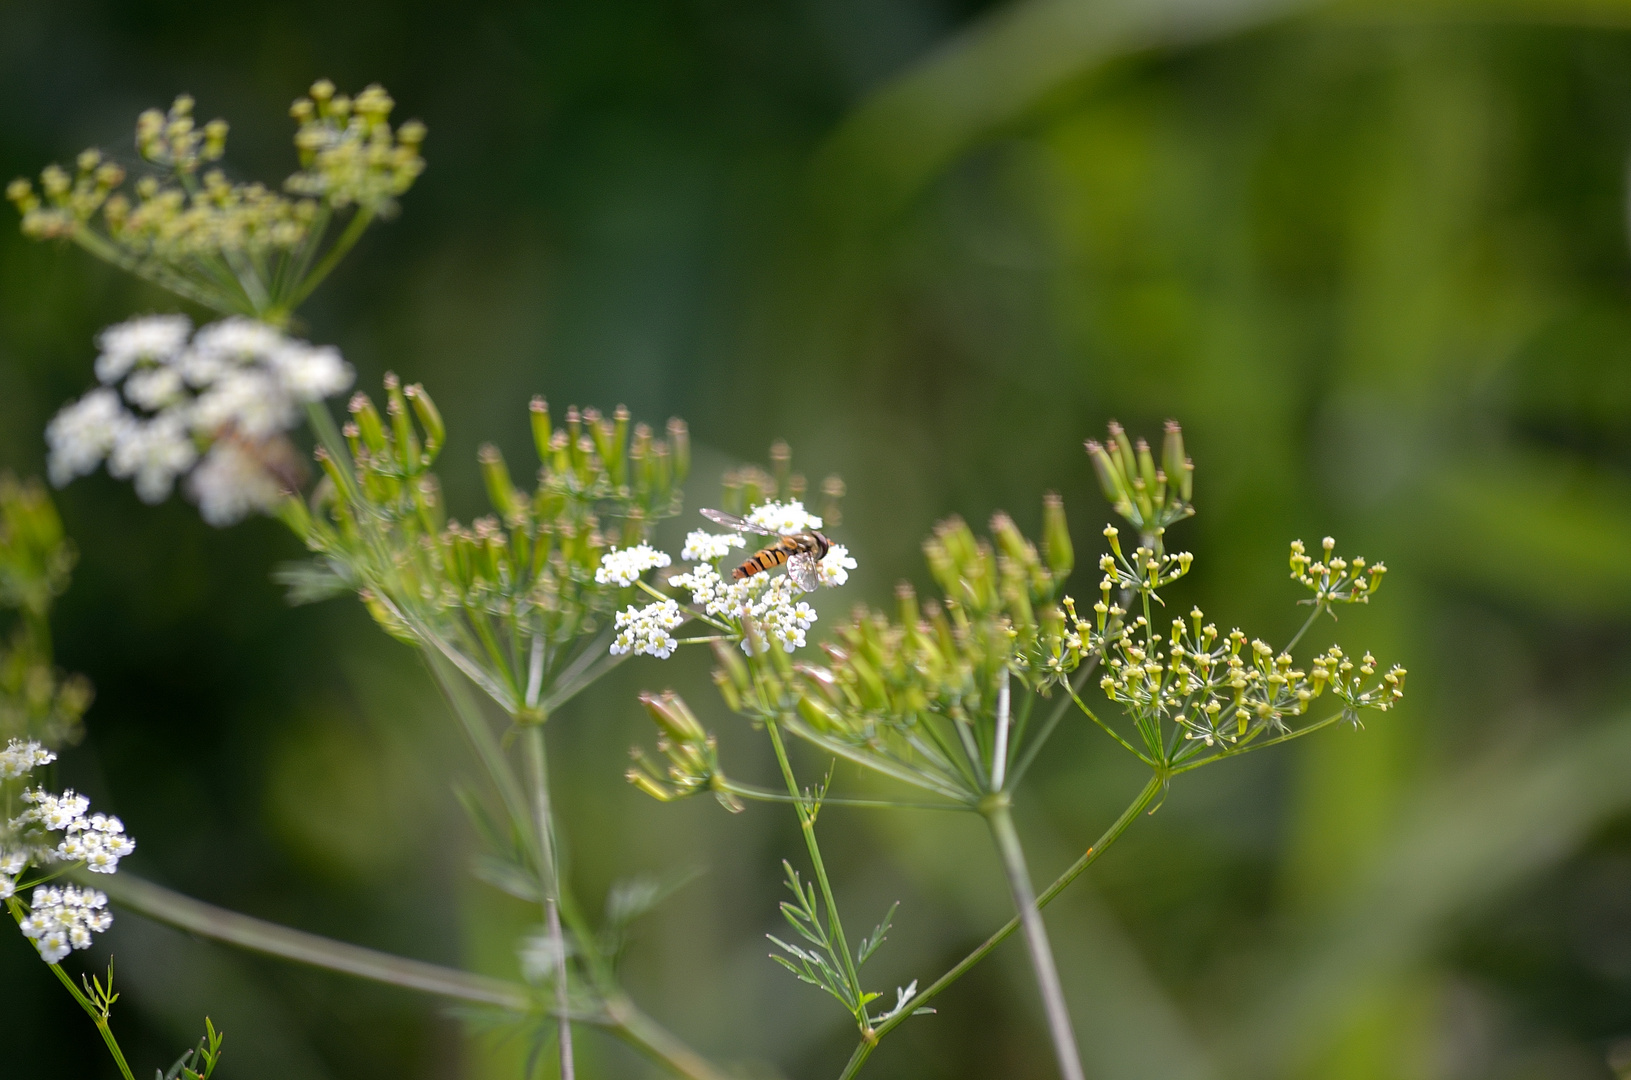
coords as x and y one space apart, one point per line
801 551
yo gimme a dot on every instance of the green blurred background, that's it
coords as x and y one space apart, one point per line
1375 259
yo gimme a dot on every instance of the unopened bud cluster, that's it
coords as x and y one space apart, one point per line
692 755
1223 687
236 247
348 152
1334 580
1151 495
533 569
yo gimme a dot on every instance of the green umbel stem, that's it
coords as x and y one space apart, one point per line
1036 939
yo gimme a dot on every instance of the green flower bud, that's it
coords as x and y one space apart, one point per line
674 717
430 419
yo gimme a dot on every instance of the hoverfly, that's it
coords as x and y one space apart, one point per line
800 551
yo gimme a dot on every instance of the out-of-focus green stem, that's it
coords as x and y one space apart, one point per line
353 232
864 1049
538 767
1043 967
206 920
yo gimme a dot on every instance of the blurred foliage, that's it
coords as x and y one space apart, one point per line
1375 261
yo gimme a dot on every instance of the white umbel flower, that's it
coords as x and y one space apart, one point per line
60 920
624 567
201 408
20 758
154 453
706 547
648 630
81 435
835 566
231 484
100 842
785 518
158 338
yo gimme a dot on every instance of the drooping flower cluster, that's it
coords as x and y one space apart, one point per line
63 919
212 409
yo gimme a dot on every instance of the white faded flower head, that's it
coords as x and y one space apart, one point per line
81 435
20 758
157 338
62 919
706 547
246 400
238 379
835 566
231 484
788 517
154 388
154 453
310 373
648 630
624 566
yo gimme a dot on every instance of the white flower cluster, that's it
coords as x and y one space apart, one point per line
706 547
624 567
648 630
235 385
770 601
97 840
64 919
21 758
835 566
785 518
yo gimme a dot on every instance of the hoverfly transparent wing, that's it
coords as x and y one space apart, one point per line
731 521
802 569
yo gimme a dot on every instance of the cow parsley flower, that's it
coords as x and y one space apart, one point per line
769 601
154 453
706 547
785 518
158 338
81 435
97 840
20 758
648 630
238 384
835 566
624 566
60 920
231 484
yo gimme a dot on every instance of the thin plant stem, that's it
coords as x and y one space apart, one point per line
1006 837
538 767
353 232
1298 636
807 823
748 791
257 935
863 1050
